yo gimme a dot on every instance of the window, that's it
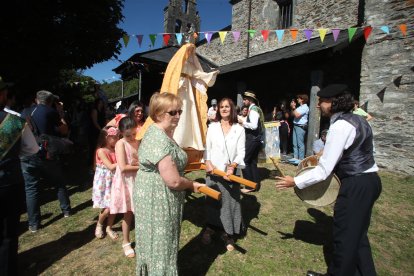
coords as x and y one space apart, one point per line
178 24
185 6
285 13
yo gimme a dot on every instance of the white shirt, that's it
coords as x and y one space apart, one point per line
254 118
211 114
216 145
28 142
340 137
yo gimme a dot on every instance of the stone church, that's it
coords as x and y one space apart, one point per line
380 71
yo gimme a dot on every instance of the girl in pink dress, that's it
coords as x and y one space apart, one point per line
124 178
102 181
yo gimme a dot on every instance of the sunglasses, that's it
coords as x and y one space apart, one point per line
174 112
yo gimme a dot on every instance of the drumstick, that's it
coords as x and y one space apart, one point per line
210 192
277 166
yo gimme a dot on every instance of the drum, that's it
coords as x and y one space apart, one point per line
308 161
319 194
193 155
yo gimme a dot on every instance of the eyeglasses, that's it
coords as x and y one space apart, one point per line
174 112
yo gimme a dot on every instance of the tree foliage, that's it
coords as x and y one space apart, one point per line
41 38
113 90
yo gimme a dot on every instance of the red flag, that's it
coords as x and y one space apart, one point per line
166 38
367 32
265 34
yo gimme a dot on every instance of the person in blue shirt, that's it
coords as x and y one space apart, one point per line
300 125
319 144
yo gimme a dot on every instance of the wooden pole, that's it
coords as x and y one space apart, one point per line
314 112
210 192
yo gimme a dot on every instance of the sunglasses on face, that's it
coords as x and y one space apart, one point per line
174 112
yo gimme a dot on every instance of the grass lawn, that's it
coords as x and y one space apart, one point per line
284 236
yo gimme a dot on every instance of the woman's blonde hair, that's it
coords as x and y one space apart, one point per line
160 103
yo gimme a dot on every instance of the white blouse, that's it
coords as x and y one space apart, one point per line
216 144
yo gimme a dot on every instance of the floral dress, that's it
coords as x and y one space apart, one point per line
121 192
158 209
102 181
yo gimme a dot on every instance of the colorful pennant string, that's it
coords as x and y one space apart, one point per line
335 33
322 33
166 38
367 32
294 34
403 29
385 29
179 37
308 34
265 34
236 36
125 37
251 33
279 34
351 33
153 37
222 36
139 38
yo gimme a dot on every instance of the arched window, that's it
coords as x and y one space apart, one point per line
178 24
185 6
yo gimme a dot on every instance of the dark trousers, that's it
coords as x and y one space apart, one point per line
33 169
250 172
9 221
284 138
352 215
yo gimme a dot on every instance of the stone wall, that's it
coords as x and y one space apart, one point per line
385 58
264 15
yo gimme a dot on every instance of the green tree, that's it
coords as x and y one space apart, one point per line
41 38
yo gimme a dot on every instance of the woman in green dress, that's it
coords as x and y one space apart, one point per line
159 190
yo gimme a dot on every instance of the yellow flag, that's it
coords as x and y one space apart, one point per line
222 36
322 33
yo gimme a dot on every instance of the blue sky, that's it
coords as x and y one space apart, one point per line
147 17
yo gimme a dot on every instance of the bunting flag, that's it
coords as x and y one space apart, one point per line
381 94
208 36
279 34
222 36
294 34
397 81
251 33
364 106
265 34
308 34
385 29
153 37
403 29
367 32
166 38
125 37
139 38
322 33
179 37
351 33
236 36
335 33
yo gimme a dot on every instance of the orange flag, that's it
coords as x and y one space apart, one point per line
403 29
294 33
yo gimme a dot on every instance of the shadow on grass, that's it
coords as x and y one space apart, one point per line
318 232
38 259
195 258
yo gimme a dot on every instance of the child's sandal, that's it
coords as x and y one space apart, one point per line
99 234
112 234
128 250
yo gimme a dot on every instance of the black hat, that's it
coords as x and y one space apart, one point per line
332 90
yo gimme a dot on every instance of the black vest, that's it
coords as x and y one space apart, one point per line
359 157
254 134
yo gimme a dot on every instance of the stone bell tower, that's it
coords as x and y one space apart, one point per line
181 16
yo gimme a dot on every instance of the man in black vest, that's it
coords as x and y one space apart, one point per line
348 153
254 127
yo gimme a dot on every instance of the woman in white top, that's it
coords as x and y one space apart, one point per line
225 150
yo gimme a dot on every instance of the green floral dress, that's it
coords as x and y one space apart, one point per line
158 209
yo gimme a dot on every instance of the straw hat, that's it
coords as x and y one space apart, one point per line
320 194
251 95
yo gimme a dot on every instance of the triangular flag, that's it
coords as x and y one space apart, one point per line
179 37
351 33
322 33
279 34
294 34
367 32
403 29
166 38
153 37
236 36
125 37
385 29
208 36
139 38
222 36
251 33
335 33
381 94
397 81
265 34
364 106
308 34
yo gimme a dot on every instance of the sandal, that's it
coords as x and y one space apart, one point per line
99 234
128 250
112 234
206 237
